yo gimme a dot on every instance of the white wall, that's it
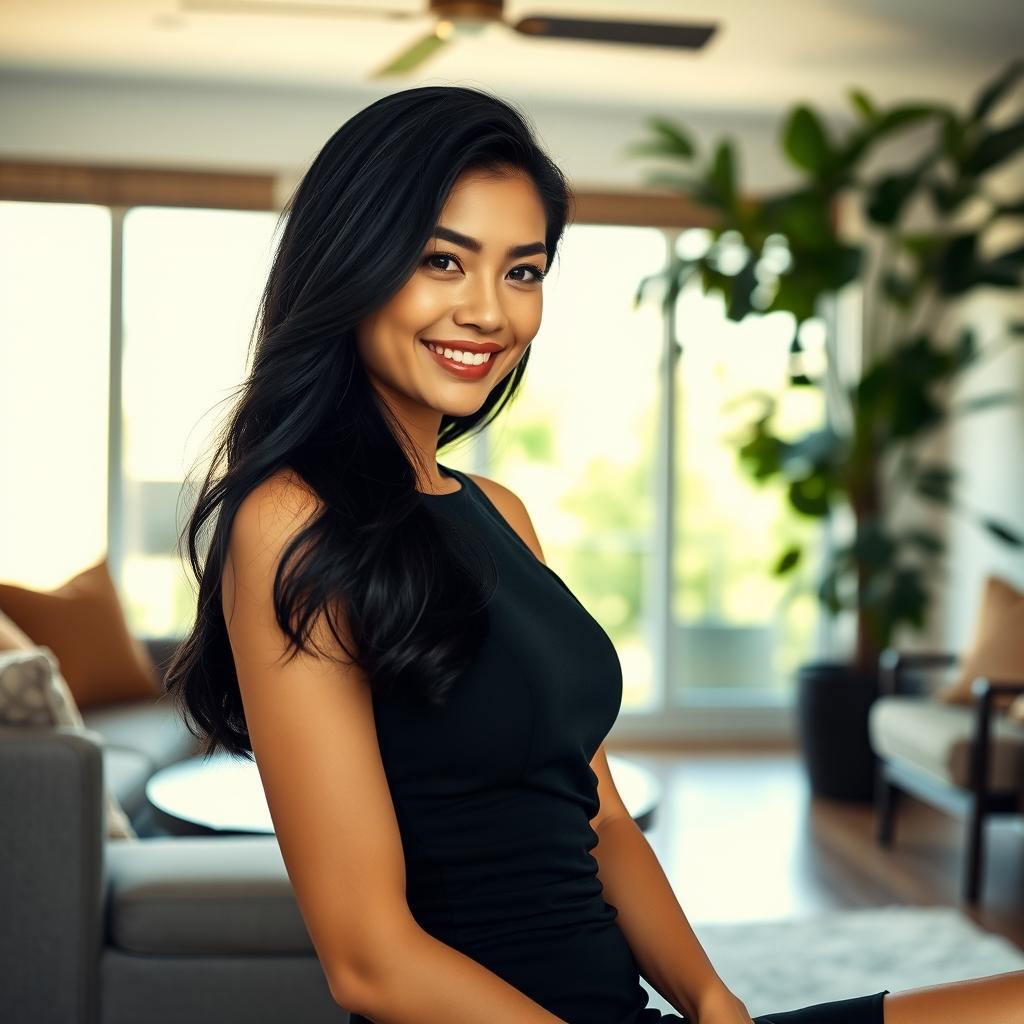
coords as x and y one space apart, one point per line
219 127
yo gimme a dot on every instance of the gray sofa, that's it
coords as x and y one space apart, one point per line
160 930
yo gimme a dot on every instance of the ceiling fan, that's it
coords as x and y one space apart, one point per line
456 18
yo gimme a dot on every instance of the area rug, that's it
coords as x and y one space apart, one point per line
780 965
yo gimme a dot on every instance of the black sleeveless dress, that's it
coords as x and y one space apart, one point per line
494 795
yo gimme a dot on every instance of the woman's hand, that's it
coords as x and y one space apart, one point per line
720 1006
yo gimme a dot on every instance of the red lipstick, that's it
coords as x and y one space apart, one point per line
461 370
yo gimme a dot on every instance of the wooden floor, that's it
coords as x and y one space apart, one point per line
741 838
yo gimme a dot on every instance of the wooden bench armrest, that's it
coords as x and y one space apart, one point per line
892 663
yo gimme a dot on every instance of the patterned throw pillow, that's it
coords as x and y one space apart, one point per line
33 693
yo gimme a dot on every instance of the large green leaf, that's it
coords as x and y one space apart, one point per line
863 104
926 541
994 147
810 496
805 141
673 139
902 116
909 598
802 217
889 195
828 591
996 274
1014 208
873 544
966 349
992 93
935 483
949 197
788 561
1002 532
899 288
957 264
762 453
722 176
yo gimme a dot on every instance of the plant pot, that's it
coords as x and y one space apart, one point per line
832 721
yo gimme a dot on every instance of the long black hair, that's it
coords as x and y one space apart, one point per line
411 590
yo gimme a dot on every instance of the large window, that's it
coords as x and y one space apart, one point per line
192 282
54 380
737 631
670 546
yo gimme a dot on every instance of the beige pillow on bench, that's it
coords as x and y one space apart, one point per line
996 650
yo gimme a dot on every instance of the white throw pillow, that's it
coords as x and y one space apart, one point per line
33 693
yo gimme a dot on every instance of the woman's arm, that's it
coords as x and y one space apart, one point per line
668 953
311 725
421 980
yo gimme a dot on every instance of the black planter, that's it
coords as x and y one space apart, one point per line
832 720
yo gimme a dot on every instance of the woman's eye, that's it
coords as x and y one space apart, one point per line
438 256
538 273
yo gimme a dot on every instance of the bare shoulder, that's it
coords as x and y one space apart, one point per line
279 499
275 507
511 506
266 519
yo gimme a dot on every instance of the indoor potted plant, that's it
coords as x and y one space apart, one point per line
793 257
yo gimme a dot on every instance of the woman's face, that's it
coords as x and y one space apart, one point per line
467 289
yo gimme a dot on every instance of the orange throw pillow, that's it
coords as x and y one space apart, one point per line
997 648
12 638
83 624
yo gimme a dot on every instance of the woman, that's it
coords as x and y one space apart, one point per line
426 701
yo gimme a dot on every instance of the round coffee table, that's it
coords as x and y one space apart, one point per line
223 795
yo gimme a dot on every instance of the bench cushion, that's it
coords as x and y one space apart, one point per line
938 738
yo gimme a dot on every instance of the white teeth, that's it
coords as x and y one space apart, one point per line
457 355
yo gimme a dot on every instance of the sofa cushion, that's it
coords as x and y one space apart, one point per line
152 727
203 895
938 738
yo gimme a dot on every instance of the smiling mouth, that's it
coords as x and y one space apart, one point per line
477 366
469 357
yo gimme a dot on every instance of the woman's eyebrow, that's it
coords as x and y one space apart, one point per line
471 243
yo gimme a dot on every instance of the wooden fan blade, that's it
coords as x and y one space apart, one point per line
688 35
280 7
413 56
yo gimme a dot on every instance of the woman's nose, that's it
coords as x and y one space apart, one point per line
481 306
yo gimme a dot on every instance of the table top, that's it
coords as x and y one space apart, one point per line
224 795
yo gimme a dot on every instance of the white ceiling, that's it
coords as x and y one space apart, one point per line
765 55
